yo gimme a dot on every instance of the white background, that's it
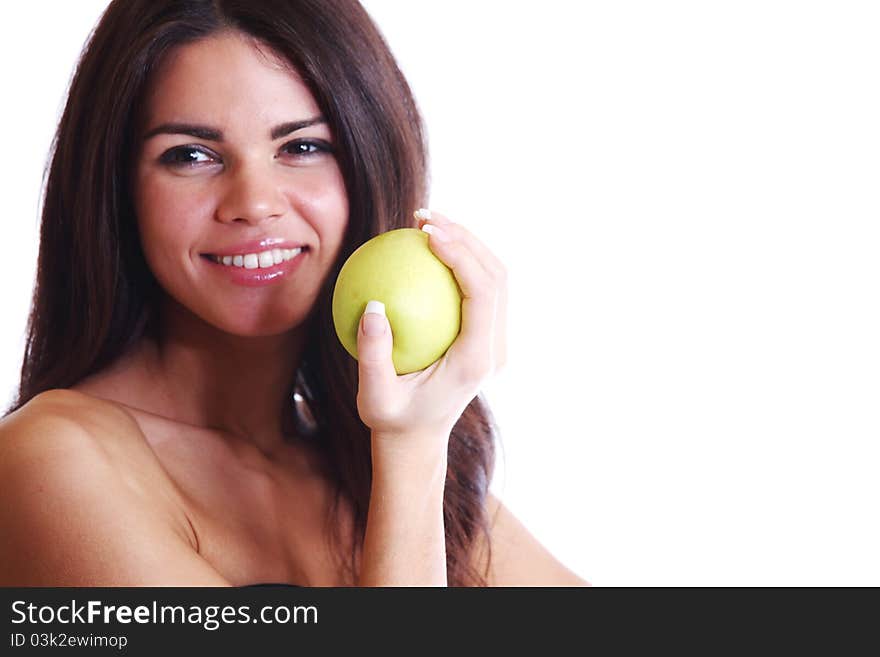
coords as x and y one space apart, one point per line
686 197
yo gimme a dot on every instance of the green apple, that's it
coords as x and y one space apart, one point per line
421 296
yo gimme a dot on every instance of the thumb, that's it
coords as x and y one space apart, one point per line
374 342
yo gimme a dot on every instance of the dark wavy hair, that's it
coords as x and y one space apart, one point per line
95 297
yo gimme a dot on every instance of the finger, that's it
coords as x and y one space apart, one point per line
488 259
496 271
472 354
490 262
376 373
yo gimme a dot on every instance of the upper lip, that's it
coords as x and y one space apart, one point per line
255 246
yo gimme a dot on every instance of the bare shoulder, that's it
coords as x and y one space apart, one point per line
84 503
112 430
68 427
517 557
66 407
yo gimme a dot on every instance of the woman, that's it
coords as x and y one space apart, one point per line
186 414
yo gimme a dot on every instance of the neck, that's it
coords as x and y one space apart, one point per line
212 379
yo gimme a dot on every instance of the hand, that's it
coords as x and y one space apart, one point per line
425 405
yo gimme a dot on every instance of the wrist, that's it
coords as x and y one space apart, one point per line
411 446
416 461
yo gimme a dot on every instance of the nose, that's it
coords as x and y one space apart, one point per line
252 194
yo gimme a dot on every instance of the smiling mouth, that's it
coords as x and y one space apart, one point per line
259 260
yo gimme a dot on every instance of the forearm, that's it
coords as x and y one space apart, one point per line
405 541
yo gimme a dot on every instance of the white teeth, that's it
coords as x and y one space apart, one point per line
254 260
265 259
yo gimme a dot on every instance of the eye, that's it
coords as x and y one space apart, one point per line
303 148
185 156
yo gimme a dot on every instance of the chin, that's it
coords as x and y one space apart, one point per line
249 321
260 327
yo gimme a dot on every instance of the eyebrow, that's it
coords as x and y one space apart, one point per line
213 134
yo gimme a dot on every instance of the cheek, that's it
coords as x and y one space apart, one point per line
167 215
326 202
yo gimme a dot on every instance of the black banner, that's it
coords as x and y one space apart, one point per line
173 620
551 621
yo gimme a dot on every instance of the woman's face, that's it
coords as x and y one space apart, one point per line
236 163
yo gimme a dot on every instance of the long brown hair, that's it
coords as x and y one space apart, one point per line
95 297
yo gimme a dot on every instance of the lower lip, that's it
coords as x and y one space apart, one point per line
261 275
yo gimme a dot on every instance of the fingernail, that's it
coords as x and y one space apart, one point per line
374 318
436 232
423 213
